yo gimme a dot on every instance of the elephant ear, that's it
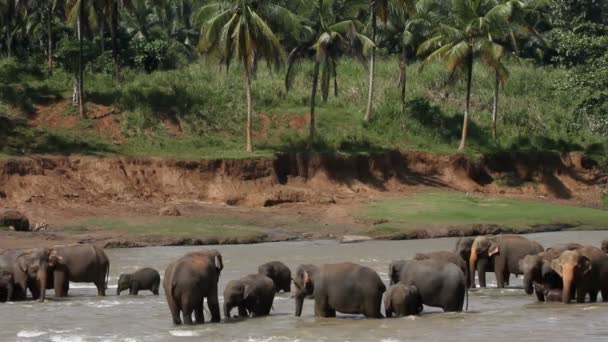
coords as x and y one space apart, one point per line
494 249
556 265
22 263
584 264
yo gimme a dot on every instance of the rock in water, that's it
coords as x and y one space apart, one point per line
354 238
15 219
169 211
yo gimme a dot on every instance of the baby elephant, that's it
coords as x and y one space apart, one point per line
402 300
7 285
252 294
144 279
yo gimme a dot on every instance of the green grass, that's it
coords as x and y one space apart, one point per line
209 106
191 227
450 209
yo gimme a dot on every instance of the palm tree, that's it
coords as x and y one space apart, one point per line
468 33
238 29
329 36
77 11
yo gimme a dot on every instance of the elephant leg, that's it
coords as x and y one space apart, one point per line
174 310
372 308
482 265
214 308
593 295
581 293
199 316
499 271
155 289
134 290
604 295
101 287
243 311
187 309
60 284
388 311
506 276
539 290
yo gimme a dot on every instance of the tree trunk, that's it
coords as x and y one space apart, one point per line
113 29
467 108
80 62
315 81
495 105
335 74
249 106
49 28
372 64
102 30
514 43
403 76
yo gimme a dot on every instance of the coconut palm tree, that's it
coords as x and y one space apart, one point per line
239 30
471 31
77 12
332 31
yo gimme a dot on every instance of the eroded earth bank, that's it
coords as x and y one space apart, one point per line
111 201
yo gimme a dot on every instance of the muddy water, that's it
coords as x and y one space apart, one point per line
495 315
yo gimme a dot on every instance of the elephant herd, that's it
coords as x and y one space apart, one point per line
438 279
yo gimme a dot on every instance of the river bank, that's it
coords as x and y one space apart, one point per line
115 202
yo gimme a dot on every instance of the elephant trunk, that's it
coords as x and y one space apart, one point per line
299 304
528 284
42 274
568 278
472 265
118 290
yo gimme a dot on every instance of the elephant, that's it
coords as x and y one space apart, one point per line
448 257
504 251
344 287
605 246
279 273
143 279
78 263
28 269
402 301
441 284
7 285
539 277
188 281
252 294
585 269
463 248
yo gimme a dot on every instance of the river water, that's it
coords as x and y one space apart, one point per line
495 314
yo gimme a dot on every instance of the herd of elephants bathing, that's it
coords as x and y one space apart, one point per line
563 272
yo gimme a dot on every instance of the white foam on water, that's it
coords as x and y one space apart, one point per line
30 333
271 339
389 340
66 338
188 333
368 260
590 308
103 304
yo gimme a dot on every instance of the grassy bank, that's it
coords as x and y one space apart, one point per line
438 210
199 111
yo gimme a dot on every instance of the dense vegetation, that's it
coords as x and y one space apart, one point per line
526 74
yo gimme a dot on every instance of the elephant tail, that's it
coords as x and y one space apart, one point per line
107 274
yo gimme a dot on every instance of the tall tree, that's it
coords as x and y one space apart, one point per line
77 11
467 34
332 31
238 30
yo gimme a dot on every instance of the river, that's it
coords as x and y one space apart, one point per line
494 314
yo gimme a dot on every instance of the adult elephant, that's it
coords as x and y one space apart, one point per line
28 269
504 251
441 284
344 287
585 269
279 273
188 281
463 249
539 277
447 257
78 263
